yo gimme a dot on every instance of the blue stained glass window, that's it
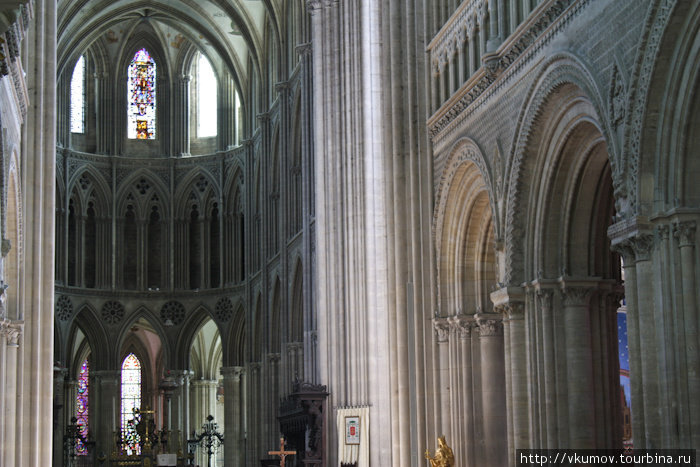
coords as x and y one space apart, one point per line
81 407
142 96
77 97
131 399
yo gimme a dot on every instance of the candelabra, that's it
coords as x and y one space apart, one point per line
209 438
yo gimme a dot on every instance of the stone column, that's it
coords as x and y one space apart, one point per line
12 332
59 413
234 438
442 336
651 438
626 250
105 408
202 404
519 397
183 126
685 233
551 435
579 364
463 327
103 110
493 388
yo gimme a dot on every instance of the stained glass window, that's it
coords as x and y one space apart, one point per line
206 98
77 97
131 399
142 97
81 408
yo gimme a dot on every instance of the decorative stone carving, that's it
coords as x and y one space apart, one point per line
576 296
172 312
64 308
11 330
489 326
539 32
642 245
644 67
618 97
6 246
442 329
112 312
462 325
224 309
685 233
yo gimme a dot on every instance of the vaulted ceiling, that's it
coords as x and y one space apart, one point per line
232 33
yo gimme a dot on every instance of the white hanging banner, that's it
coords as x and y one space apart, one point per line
353 436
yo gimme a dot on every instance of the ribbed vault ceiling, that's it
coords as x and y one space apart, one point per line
230 32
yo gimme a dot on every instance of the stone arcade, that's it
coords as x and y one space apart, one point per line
357 224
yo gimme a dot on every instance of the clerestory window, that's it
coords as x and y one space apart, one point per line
141 112
77 97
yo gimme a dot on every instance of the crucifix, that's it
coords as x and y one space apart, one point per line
282 453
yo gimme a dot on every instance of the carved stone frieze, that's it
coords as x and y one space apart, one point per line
645 64
530 40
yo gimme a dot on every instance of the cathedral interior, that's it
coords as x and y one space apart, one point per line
344 232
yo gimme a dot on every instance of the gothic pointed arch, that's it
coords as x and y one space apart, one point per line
188 333
144 41
143 319
87 322
237 341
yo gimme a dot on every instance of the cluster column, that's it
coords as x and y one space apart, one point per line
234 408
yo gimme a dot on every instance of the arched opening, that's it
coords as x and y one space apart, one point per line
207 386
141 96
141 367
469 333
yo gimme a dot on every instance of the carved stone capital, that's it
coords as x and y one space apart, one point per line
662 231
295 346
643 245
304 49
233 372
515 310
255 367
576 295
685 233
12 330
490 324
626 250
442 329
273 357
462 325
544 297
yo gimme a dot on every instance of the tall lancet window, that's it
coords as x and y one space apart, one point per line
206 98
142 97
81 408
131 399
77 97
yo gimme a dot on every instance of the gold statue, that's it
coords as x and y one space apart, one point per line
443 455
